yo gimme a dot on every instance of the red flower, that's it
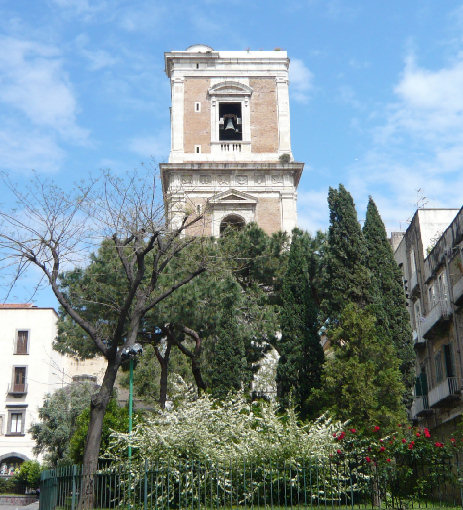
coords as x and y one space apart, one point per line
388 460
368 459
404 440
382 449
353 431
426 433
334 435
438 444
399 425
452 440
338 452
418 434
376 428
410 446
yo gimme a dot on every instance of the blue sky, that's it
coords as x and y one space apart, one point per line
376 90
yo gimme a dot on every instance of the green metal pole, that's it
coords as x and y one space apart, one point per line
130 406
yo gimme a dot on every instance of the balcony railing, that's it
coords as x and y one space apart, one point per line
441 311
230 147
445 392
420 406
17 389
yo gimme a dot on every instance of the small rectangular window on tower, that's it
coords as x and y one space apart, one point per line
197 107
198 149
230 125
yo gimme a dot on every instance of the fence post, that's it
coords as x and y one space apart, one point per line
145 493
73 494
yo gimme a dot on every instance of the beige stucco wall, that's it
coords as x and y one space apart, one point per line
264 118
197 125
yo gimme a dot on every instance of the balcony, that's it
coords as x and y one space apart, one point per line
446 393
458 291
418 340
420 407
17 390
440 313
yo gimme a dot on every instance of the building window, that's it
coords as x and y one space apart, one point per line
198 209
22 342
412 262
438 366
432 296
1 424
417 309
16 419
19 386
198 149
230 121
197 107
449 360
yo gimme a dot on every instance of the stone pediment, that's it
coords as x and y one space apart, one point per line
232 196
230 88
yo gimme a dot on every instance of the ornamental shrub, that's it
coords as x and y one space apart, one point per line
221 432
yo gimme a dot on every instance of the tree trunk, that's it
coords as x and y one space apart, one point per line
196 371
98 406
164 362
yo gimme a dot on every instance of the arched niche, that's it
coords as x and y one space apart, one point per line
232 222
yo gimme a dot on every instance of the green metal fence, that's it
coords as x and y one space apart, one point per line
340 484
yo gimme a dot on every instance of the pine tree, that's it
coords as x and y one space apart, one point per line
389 303
301 354
346 279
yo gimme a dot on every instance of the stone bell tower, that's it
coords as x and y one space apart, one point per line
230 154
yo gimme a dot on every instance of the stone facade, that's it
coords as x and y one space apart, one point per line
230 153
431 257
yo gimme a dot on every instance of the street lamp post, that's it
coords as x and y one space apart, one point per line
131 353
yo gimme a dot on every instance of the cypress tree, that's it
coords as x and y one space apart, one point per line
389 303
361 380
226 368
346 278
301 355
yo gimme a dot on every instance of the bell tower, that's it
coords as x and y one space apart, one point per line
230 156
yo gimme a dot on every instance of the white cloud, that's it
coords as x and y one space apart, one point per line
33 82
313 211
156 147
98 59
301 80
23 151
419 145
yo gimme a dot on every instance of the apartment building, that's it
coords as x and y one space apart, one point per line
29 369
431 257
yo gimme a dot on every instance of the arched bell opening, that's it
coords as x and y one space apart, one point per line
232 222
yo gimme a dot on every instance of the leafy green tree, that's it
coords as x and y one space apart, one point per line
29 474
58 416
346 278
116 419
361 381
301 354
389 304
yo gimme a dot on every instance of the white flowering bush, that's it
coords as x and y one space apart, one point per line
223 432
213 452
